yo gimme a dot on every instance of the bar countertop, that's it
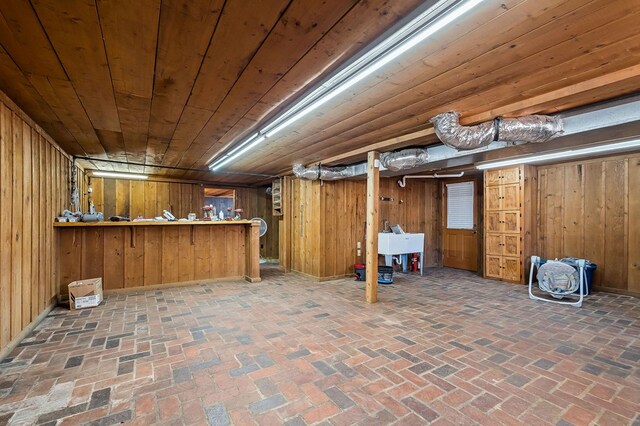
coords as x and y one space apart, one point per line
143 223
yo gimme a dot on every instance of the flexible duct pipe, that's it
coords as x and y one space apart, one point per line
395 161
405 159
324 173
530 128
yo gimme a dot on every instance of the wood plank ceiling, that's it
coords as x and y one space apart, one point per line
171 82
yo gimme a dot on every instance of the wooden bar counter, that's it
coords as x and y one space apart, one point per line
157 254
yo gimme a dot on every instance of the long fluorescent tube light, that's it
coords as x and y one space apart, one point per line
227 159
119 175
407 37
562 154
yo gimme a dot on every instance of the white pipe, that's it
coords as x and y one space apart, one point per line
402 182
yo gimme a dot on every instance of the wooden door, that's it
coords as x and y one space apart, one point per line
460 235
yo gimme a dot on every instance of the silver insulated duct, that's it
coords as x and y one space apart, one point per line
405 159
325 173
530 128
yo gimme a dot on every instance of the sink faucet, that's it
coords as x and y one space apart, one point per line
386 226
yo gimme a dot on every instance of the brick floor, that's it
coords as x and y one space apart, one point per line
447 348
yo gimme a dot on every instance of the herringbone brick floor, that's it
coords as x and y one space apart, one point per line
447 348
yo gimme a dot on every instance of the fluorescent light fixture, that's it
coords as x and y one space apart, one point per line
562 154
229 158
119 175
408 36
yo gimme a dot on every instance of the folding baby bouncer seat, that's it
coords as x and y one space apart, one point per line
562 282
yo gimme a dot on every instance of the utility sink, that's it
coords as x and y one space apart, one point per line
389 243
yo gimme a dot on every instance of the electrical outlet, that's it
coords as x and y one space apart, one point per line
359 252
359 246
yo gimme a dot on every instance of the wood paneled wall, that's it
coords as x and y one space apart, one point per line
34 189
590 209
305 227
124 197
264 209
328 221
153 254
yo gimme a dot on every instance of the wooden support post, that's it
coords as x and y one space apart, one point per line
284 240
373 182
252 252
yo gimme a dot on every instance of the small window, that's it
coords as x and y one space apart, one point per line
220 198
460 205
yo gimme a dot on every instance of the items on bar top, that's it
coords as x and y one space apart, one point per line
209 214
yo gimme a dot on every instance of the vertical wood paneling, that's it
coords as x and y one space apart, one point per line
36 276
123 197
202 264
327 222
16 230
26 218
555 206
170 241
44 224
594 217
97 185
150 200
133 252
137 198
572 229
615 243
108 196
6 198
633 273
588 209
114 242
34 175
185 254
152 269
162 198
48 255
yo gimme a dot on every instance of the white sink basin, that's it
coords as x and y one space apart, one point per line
389 243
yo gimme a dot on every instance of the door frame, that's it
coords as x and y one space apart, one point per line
478 206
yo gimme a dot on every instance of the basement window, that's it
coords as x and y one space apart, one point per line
460 205
221 198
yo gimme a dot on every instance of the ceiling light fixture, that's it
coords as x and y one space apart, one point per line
618 146
119 175
408 36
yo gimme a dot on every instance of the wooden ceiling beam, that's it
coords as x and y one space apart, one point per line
628 79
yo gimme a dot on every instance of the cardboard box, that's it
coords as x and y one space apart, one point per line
85 293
